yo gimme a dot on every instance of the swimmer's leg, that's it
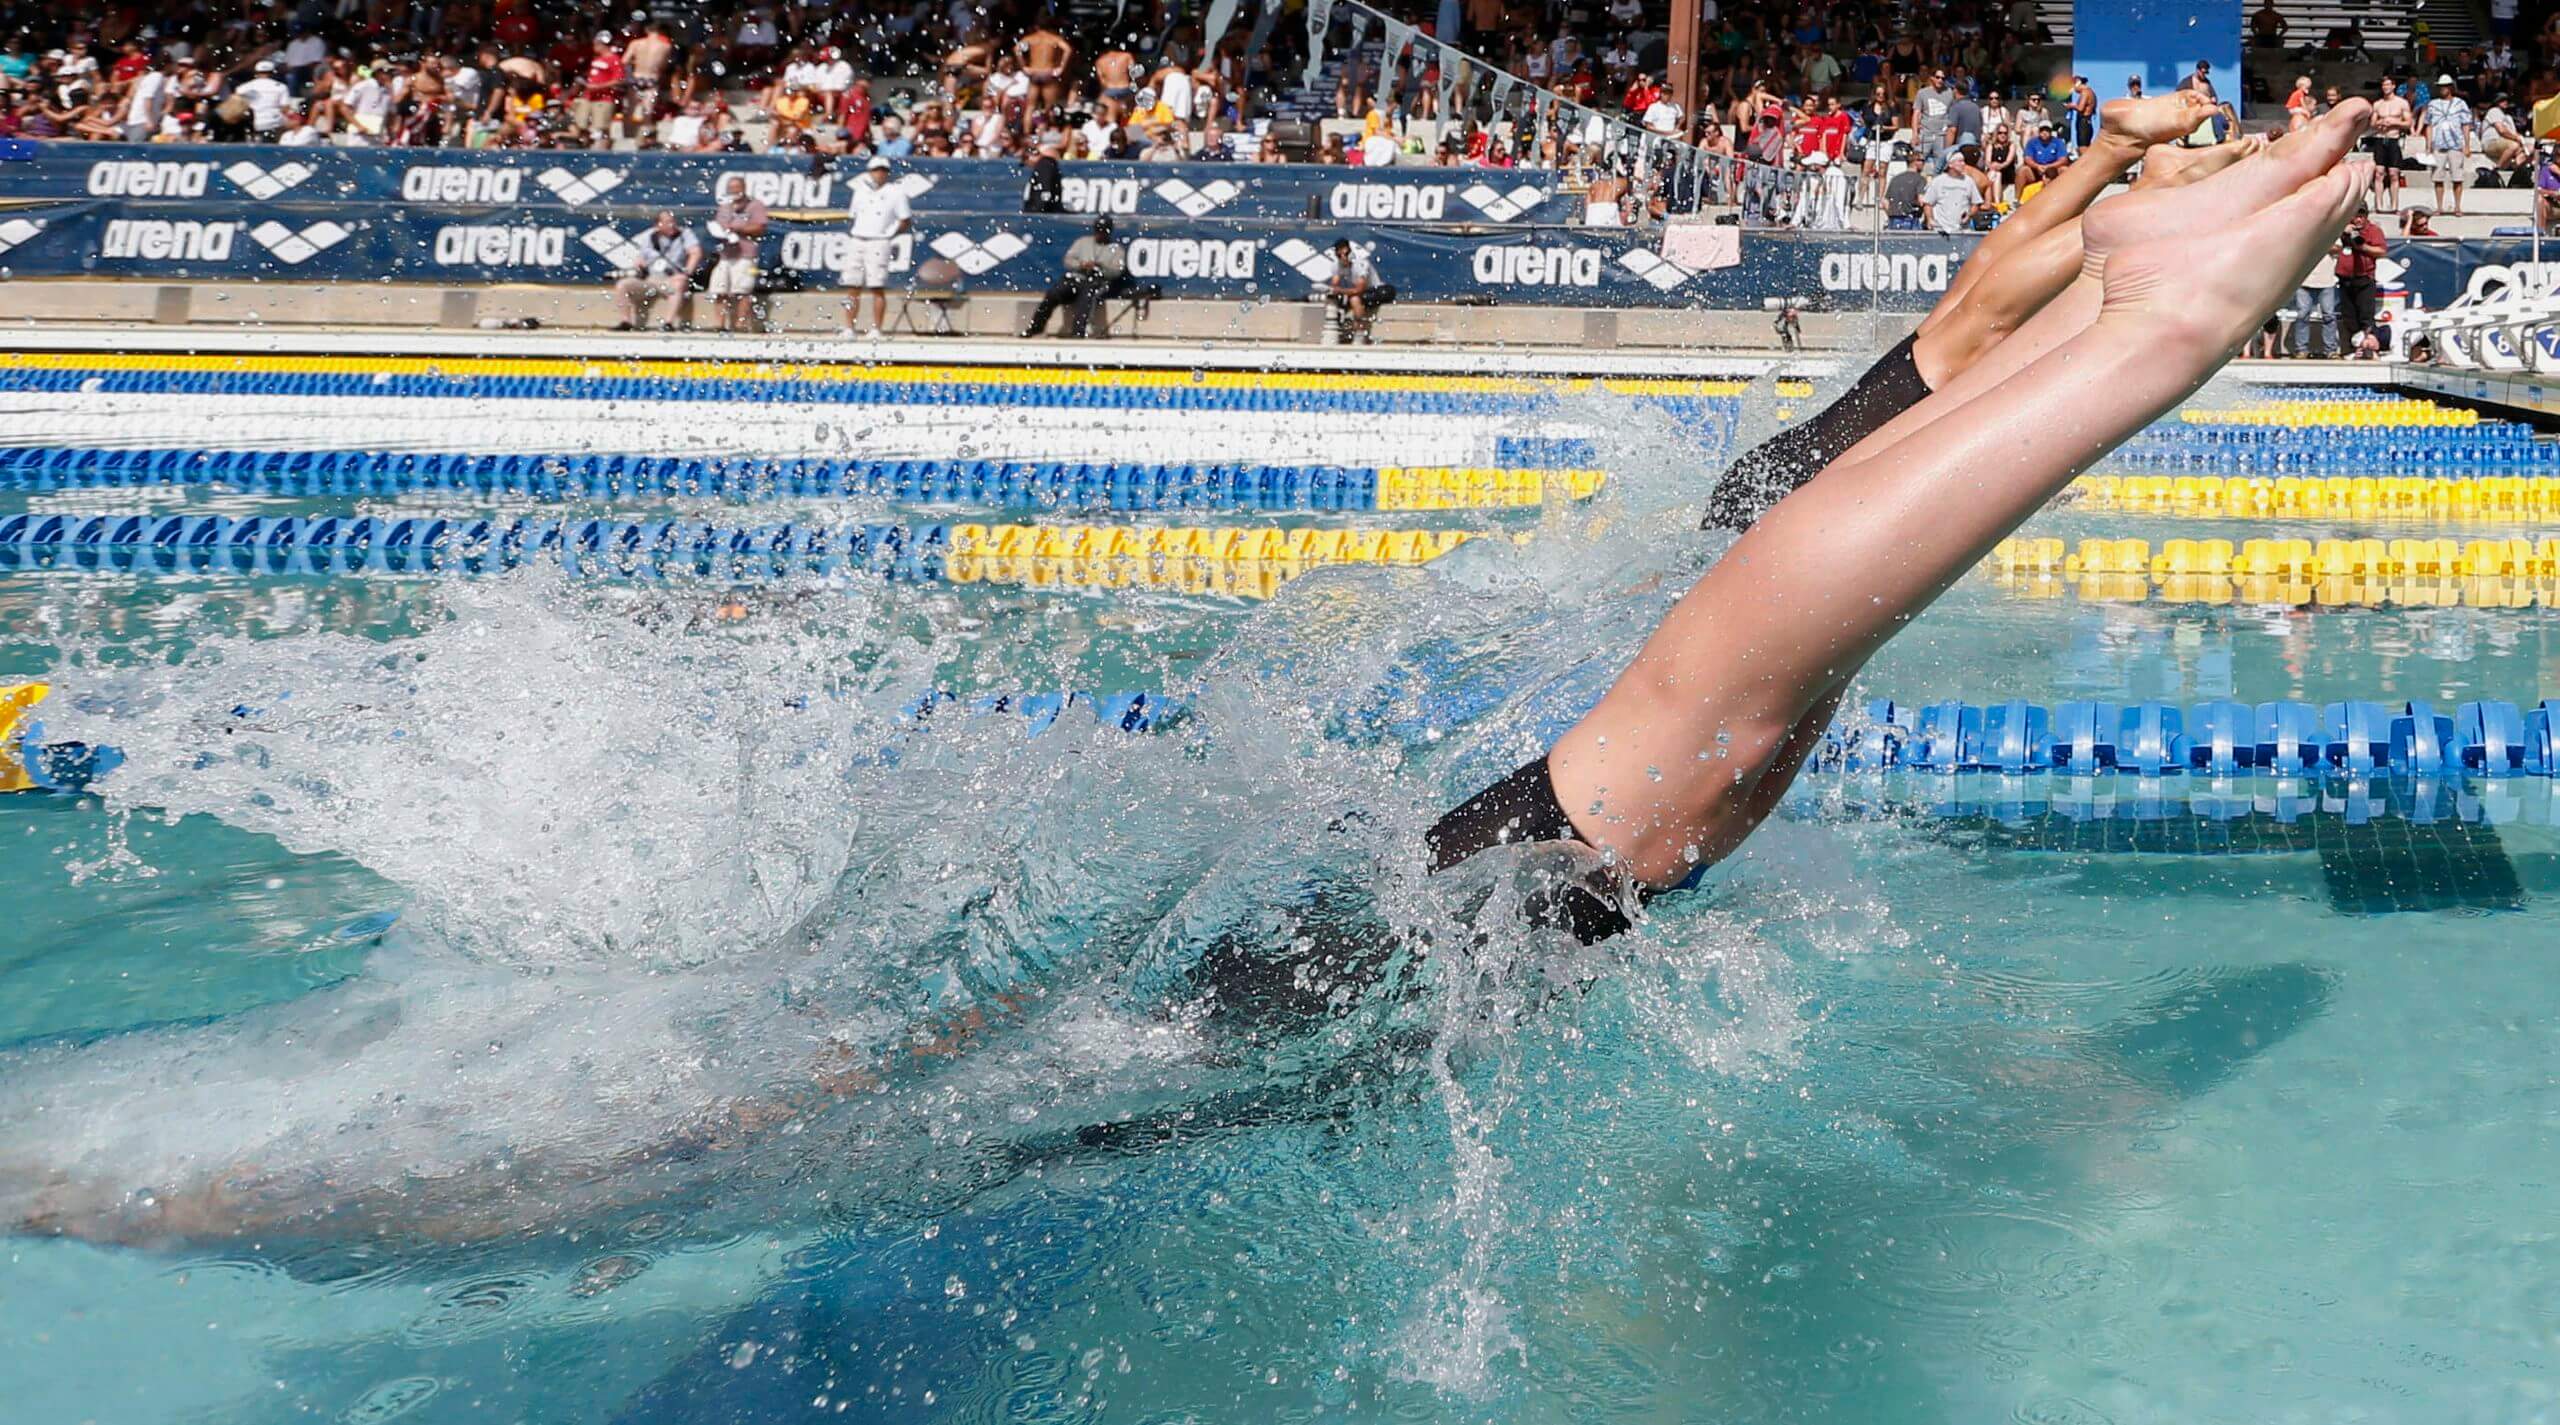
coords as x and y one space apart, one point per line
1803 599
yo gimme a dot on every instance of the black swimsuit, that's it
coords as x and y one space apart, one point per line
1523 806
1778 465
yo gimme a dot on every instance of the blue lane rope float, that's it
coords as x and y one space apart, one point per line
999 484
2483 738
1422 396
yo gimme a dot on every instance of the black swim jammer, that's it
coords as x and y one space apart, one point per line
1777 466
1519 809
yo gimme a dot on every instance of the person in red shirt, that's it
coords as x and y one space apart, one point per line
857 114
130 63
2359 252
600 100
1640 96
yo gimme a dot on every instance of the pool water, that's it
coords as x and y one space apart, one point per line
422 1024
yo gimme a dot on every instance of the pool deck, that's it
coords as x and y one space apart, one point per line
1392 359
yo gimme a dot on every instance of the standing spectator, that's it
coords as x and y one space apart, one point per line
2358 256
1045 56
2315 313
879 215
2393 120
736 225
1043 191
645 63
2083 112
662 264
600 95
2267 26
303 55
2448 124
1095 266
1929 119
146 101
1951 199
2201 81
265 97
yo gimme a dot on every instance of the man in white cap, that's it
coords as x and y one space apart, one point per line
2451 137
880 215
266 97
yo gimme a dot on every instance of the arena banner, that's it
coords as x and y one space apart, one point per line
584 181
1232 259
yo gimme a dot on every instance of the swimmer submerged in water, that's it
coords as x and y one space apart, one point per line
1682 758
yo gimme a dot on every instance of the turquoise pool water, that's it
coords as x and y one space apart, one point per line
1891 1121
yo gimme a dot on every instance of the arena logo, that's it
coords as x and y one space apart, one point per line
1197 202
782 190
265 183
977 258
500 245
619 253
1310 261
1101 195
1887 272
456 183
294 246
1653 267
18 230
1499 206
1388 202
1193 257
832 251
148 178
579 189
1538 266
168 240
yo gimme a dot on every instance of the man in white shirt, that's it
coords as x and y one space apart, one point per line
1380 150
368 109
835 80
879 214
1662 116
1950 200
266 98
145 101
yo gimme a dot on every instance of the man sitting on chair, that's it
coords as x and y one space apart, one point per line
1097 269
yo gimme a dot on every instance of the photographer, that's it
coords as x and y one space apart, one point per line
1096 267
2358 254
662 264
740 220
1356 292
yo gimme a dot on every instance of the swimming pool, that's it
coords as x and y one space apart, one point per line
592 991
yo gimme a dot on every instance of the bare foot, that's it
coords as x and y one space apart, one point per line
2171 165
2214 284
2156 118
2226 198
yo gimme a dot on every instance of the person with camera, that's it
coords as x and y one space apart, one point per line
1356 292
662 264
2358 255
1097 266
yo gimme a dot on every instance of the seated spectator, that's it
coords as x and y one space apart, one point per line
2417 221
2505 148
2546 191
1162 146
662 264
2042 160
1214 143
1355 292
1380 150
1096 267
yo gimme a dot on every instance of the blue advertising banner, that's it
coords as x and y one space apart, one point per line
362 241
584 181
